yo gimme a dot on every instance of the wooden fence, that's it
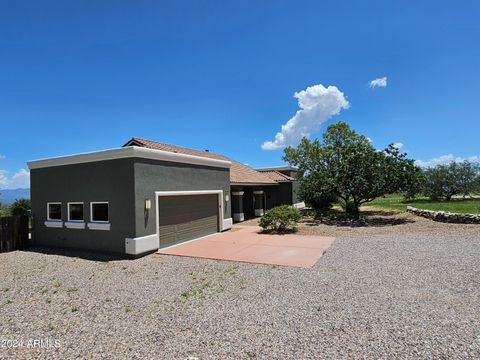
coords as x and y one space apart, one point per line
13 233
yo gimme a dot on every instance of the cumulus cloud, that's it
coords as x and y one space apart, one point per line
317 104
445 160
3 179
379 82
21 179
398 145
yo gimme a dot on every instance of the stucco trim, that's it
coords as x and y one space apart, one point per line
53 224
99 226
238 217
75 224
127 152
258 212
193 192
299 205
227 224
140 245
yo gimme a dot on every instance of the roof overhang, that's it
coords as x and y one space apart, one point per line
127 152
253 184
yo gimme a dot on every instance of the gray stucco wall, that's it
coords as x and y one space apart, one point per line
125 184
111 181
152 175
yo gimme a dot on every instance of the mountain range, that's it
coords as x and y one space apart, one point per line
8 196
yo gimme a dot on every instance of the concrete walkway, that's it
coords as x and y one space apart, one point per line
246 244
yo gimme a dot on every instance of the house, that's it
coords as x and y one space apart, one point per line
145 195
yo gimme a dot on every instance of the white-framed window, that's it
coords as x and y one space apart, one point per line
75 212
99 212
54 211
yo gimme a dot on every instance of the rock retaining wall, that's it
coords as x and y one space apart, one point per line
444 216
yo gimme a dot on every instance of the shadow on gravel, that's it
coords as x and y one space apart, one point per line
82 254
369 218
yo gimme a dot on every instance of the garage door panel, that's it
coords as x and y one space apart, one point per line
187 217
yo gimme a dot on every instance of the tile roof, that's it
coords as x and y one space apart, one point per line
276 175
239 173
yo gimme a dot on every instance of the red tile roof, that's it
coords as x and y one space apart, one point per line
239 173
276 175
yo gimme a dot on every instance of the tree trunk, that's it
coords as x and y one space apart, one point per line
353 210
356 211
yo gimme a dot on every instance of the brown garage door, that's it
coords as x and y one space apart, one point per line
186 217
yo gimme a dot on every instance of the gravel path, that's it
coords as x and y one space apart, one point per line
398 294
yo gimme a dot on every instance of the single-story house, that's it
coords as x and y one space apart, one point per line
146 195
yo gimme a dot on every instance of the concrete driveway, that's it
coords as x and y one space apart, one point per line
246 244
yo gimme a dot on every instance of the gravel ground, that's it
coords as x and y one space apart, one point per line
401 293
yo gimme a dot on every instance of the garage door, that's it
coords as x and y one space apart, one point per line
186 217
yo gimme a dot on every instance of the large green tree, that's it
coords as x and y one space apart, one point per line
445 181
346 166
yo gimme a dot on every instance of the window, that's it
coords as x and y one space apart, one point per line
99 211
54 211
75 211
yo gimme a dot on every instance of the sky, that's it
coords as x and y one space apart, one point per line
241 78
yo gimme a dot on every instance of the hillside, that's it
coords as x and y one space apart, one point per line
7 196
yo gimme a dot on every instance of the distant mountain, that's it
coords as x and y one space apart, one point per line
8 196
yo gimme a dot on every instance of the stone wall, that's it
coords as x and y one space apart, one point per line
444 216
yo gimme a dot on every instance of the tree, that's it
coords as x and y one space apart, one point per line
402 175
468 176
4 211
445 181
346 166
20 207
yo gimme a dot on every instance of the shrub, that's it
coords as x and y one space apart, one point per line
281 219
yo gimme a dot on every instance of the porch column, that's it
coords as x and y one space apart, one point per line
258 202
237 206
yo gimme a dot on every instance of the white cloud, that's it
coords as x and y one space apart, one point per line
3 179
379 82
317 104
444 160
398 145
2 157
21 179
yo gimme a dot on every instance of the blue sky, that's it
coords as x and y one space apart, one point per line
88 75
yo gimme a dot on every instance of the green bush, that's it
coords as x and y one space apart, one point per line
281 219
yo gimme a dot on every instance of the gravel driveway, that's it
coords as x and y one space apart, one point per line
396 294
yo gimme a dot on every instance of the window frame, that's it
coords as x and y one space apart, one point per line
48 211
68 211
91 212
